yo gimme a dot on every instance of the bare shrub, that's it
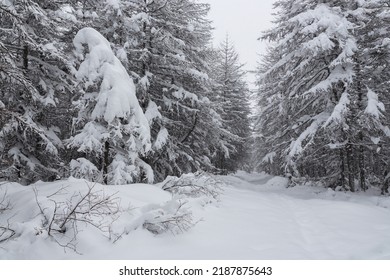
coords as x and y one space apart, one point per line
93 207
194 185
6 232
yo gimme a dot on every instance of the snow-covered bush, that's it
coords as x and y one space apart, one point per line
83 168
172 217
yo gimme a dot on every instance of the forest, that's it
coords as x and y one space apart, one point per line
127 91
118 92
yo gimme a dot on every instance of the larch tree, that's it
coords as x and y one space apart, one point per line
168 45
164 45
111 130
33 77
319 86
231 93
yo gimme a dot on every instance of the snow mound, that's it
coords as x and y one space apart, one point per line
67 219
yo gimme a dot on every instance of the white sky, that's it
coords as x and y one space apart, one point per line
243 20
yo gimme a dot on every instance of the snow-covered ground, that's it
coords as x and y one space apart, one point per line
256 217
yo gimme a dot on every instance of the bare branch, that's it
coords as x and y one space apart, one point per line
93 208
5 204
196 185
6 233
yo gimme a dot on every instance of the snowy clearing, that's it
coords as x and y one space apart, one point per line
256 217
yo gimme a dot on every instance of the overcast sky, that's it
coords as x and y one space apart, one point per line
243 20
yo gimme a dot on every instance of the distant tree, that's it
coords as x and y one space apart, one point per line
231 93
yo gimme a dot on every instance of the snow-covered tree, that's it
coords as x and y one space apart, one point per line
167 46
231 93
33 76
315 90
111 130
164 47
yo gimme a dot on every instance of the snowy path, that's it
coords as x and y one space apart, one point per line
256 220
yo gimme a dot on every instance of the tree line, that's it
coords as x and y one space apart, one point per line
143 96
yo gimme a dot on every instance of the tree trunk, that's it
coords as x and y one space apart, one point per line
385 186
359 89
362 167
351 179
25 57
105 161
342 167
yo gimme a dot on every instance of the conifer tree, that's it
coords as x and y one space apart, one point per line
167 46
231 93
111 128
33 76
319 84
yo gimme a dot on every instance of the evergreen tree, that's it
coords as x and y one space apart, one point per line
167 45
319 85
112 131
232 94
33 76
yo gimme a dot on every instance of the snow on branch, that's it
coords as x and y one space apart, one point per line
339 110
374 106
298 146
116 98
269 158
173 217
